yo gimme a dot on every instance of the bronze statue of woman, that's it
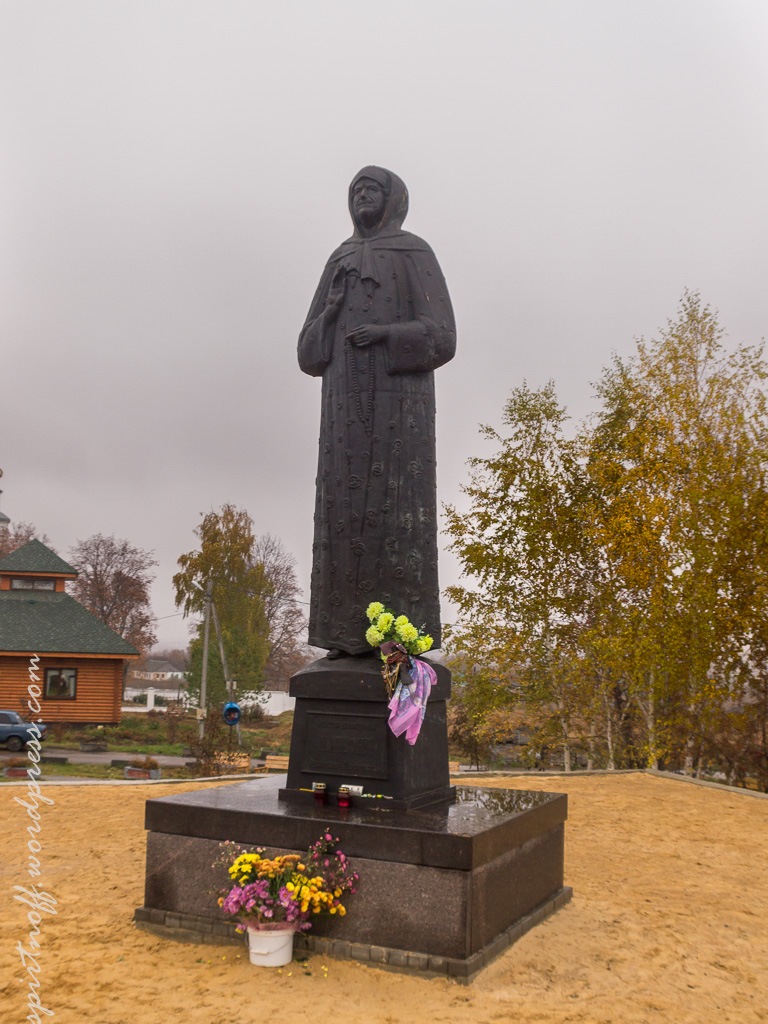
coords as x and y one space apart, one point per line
380 322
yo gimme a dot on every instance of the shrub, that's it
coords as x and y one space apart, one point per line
146 764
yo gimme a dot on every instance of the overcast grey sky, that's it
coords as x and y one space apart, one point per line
173 176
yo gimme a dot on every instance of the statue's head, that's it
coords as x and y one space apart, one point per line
378 199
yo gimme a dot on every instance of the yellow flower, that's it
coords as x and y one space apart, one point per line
402 620
373 636
384 622
374 610
407 633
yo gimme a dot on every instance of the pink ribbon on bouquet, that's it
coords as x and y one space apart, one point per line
409 701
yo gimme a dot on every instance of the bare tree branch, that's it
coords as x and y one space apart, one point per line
113 583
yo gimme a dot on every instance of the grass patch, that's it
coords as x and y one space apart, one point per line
80 771
99 771
272 734
135 747
163 733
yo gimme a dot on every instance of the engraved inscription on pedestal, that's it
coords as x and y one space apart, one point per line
349 745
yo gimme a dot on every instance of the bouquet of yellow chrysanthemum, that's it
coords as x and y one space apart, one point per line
385 626
289 889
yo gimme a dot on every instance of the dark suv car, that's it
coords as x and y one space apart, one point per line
15 732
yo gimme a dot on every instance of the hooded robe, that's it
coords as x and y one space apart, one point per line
376 506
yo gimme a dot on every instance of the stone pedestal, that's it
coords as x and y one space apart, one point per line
444 888
341 736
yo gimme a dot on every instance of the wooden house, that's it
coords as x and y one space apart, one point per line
49 639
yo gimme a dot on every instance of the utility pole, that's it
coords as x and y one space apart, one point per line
204 677
222 655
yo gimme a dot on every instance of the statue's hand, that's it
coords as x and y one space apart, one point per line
367 334
336 292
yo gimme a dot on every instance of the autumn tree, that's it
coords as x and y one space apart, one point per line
677 460
522 544
255 591
238 588
14 535
113 583
623 574
484 708
287 623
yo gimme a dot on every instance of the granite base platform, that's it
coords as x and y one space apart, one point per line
446 882
203 931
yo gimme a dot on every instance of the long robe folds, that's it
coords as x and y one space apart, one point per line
376 506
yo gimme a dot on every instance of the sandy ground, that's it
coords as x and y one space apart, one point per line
669 922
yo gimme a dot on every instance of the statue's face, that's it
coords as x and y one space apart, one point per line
368 201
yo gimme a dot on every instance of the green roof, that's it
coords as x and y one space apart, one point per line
35 557
46 622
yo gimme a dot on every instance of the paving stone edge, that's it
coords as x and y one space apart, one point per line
185 928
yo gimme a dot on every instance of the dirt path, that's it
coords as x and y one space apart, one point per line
669 923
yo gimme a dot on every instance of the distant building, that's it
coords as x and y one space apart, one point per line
158 673
81 660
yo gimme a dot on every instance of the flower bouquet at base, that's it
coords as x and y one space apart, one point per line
289 890
408 679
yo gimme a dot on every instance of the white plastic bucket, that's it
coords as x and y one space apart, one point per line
270 948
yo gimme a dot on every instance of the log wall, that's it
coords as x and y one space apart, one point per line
99 687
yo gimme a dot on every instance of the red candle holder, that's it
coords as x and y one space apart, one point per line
343 797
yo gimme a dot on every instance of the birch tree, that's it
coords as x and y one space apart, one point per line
521 547
677 461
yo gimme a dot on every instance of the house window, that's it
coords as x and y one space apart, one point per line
32 583
60 683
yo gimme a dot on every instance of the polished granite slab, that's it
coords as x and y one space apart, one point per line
452 882
478 826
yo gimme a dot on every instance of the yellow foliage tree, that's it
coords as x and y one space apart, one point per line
621 576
